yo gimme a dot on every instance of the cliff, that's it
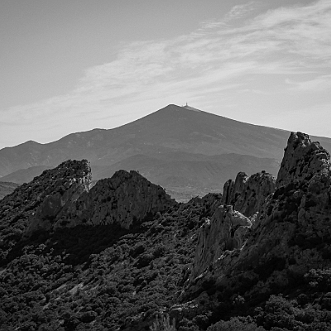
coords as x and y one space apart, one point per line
224 231
247 194
290 236
125 199
62 198
41 201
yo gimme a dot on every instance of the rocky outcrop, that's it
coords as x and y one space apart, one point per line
124 199
62 197
36 205
247 194
60 188
302 160
291 235
225 231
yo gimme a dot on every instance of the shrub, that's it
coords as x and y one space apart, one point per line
235 324
162 323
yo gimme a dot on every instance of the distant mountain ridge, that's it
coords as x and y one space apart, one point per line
201 142
6 188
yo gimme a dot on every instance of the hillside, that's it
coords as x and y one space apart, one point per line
120 253
182 136
6 188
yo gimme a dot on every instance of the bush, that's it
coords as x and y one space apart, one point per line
235 324
162 323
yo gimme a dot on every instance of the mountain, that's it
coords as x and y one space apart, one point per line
24 175
193 142
122 255
6 188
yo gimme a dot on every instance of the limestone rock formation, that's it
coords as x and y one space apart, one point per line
62 197
291 235
37 204
225 231
125 198
302 160
61 186
246 194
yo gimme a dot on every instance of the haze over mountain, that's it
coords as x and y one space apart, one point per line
6 188
181 148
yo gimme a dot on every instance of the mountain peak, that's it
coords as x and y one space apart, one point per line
302 159
191 108
173 107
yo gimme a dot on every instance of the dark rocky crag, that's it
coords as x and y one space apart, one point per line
123 199
41 200
290 235
247 193
62 197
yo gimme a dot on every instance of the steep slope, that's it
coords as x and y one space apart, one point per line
42 199
290 237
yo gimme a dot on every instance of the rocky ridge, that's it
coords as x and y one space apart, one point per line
224 231
124 199
247 193
63 197
290 235
41 200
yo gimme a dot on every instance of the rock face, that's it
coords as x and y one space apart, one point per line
124 199
62 187
246 194
291 234
302 160
62 197
36 205
225 231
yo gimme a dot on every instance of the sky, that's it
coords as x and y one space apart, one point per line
70 66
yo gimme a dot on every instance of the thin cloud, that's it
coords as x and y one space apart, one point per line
320 83
239 11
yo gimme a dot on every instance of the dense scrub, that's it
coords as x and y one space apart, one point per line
105 278
100 277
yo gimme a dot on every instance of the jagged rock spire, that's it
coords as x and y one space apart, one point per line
302 160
